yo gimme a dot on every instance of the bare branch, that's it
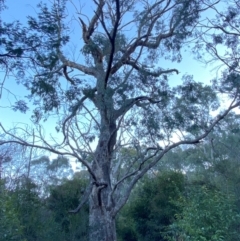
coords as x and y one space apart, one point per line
67 76
73 114
82 68
84 199
48 147
95 19
129 103
140 43
112 40
147 72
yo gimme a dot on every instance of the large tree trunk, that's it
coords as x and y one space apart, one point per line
102 224
101 218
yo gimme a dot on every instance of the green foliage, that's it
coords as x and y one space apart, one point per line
191 108
21 217
12 46
210 206
10 225
151 209
208 215
25 216
64 198
207 208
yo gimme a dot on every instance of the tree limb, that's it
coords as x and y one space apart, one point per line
131 102
48 147
80 67
84 199
156 73
112 39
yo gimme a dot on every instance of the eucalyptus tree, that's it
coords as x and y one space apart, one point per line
111 92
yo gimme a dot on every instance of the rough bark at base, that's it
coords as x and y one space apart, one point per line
102 225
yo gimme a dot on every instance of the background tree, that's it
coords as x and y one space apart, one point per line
29 214
151 209
210 205
21 212
10 226
207 214
47 172
116 95
66 197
